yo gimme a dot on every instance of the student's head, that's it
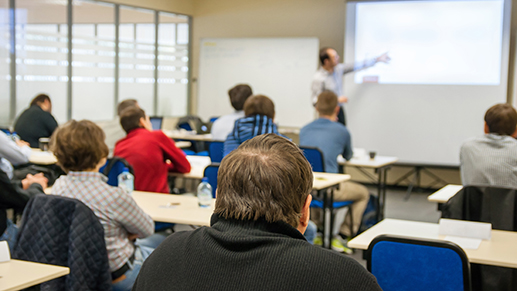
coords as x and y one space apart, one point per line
266 177
79 146
126 104
259 104
327 103
43 101
238 95
133 118
328 57
501 119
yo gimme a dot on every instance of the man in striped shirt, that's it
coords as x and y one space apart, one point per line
491 159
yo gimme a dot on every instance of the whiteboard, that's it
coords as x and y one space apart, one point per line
280 68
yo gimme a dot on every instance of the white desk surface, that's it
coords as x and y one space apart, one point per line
198 165
180 134
326 180
159 207
39 157
16 274
183 144
444 194
498 251
366 162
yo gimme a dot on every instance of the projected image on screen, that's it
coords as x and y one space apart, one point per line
431 42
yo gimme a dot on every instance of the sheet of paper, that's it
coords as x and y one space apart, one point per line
5 255
465 243
464 228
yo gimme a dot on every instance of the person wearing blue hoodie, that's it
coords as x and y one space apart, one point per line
259 112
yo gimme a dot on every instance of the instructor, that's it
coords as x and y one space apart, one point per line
330 75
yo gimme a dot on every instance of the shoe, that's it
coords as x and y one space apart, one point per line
318 241
337 246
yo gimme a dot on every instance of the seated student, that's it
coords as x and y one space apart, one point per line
12 153
37 121
151 153
16 194
491 159
80 150
255 239
333 139
260 112
224 124
113 129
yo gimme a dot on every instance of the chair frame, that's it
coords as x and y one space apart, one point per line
328 200
210 150
423 242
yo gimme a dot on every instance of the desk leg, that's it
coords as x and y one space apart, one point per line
331 211
380 197
325 241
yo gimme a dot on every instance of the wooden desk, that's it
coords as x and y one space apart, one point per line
444 194
498 251
16 274
159 207
39 157
381 165
187 135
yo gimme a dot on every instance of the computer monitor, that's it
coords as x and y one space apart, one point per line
156 122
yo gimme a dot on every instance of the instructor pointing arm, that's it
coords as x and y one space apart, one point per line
330 75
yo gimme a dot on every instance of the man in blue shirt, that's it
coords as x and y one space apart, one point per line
333 139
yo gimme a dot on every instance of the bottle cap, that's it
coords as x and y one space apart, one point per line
126 170
205 179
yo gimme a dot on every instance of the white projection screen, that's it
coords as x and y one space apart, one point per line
449 64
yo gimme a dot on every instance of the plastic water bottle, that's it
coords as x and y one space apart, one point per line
204 193
126 180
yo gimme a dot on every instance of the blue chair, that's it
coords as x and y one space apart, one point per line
215 151
213 119
401 263
113 167
315 158
211 174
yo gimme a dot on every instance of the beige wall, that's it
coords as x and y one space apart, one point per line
177 6
266 18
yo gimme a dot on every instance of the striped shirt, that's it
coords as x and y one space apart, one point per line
489 160
117 211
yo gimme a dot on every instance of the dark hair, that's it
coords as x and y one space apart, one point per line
239 94
259 104
265 177
40 99
327 103
78 145
501 119
125 104
130 118
324 55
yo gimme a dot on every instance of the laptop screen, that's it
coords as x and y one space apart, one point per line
156 122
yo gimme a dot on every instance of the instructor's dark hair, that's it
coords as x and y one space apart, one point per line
324 55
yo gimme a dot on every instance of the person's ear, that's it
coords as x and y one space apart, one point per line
514 135
487 130
306 215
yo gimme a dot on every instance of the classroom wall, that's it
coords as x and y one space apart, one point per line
267 18
176 6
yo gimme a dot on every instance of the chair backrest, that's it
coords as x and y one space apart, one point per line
113 167
211 173
64 231
495 205
315 158
156 122
403 264
215 151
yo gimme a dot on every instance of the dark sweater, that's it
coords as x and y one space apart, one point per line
246 255
33 124
12 195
